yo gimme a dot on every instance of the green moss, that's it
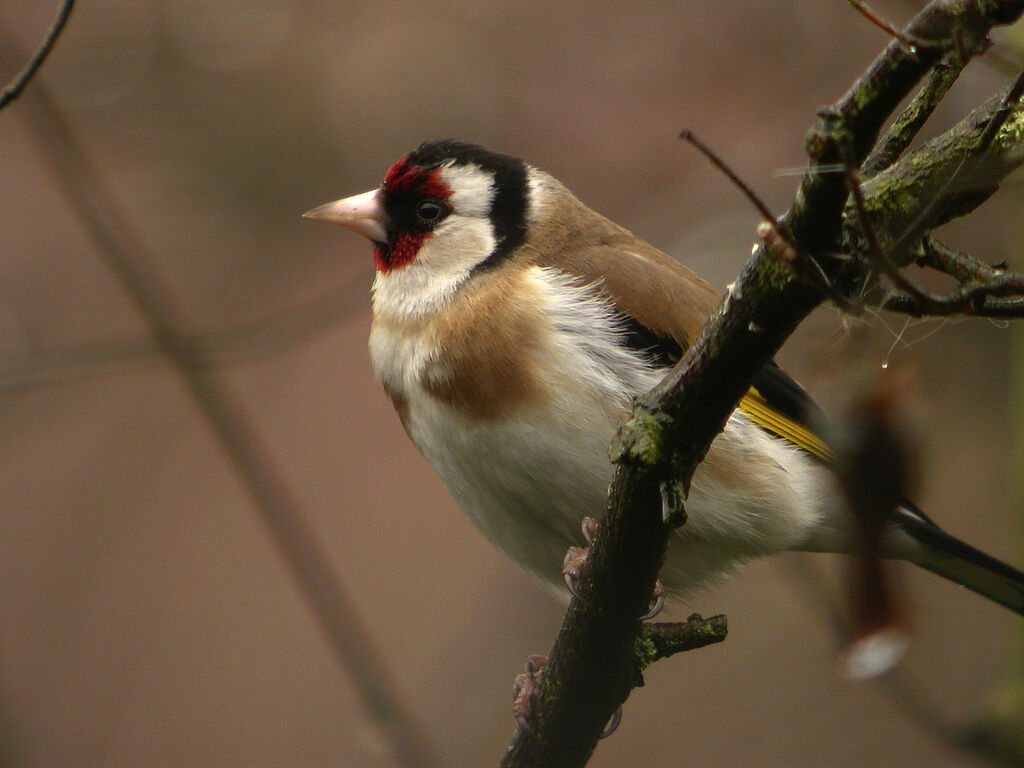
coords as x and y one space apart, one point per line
865 96
773 274
906 203
645 652
1012 131
710 630
641 439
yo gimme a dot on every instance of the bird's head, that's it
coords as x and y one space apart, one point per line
449 207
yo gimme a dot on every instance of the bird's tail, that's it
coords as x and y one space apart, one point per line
938 552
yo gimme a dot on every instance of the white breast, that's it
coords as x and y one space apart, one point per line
526 480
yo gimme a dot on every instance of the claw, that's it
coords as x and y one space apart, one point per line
658 598
589 526
673 504
570 583
613 724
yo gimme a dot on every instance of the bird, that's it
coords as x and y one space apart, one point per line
512 329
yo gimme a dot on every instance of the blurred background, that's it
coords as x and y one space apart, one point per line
147 616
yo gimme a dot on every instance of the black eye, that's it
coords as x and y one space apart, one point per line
431 211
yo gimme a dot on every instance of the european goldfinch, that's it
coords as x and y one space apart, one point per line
512 326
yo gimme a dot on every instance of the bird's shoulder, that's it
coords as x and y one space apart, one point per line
643 283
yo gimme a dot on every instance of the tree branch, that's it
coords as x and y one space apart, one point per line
17 85
664 639
859 115
592 666
947 177
889 215
905 128
962 266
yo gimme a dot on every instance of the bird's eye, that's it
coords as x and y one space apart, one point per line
431 211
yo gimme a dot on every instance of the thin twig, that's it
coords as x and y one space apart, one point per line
880 258
309 563
720 164
911 44
782 241
671 637
868 104
998 309
962 266
17 85
970 298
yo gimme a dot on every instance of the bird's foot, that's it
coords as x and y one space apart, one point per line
575 557
526 684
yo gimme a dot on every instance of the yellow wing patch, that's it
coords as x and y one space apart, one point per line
760 411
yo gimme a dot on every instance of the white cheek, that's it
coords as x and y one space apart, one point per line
442 264
458 245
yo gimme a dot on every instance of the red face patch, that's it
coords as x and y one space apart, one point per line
405 185
403 178
400 252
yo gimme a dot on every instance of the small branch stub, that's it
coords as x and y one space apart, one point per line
664 639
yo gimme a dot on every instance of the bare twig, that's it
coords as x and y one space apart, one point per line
281 512
910 43
880 257
973 296
936 182
861 112
721 165
969 298
939 201
962 266
770 231
987 307
17 85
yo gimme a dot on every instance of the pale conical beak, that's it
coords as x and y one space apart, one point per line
363 214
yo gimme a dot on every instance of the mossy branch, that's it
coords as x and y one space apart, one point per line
593 665
946 168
